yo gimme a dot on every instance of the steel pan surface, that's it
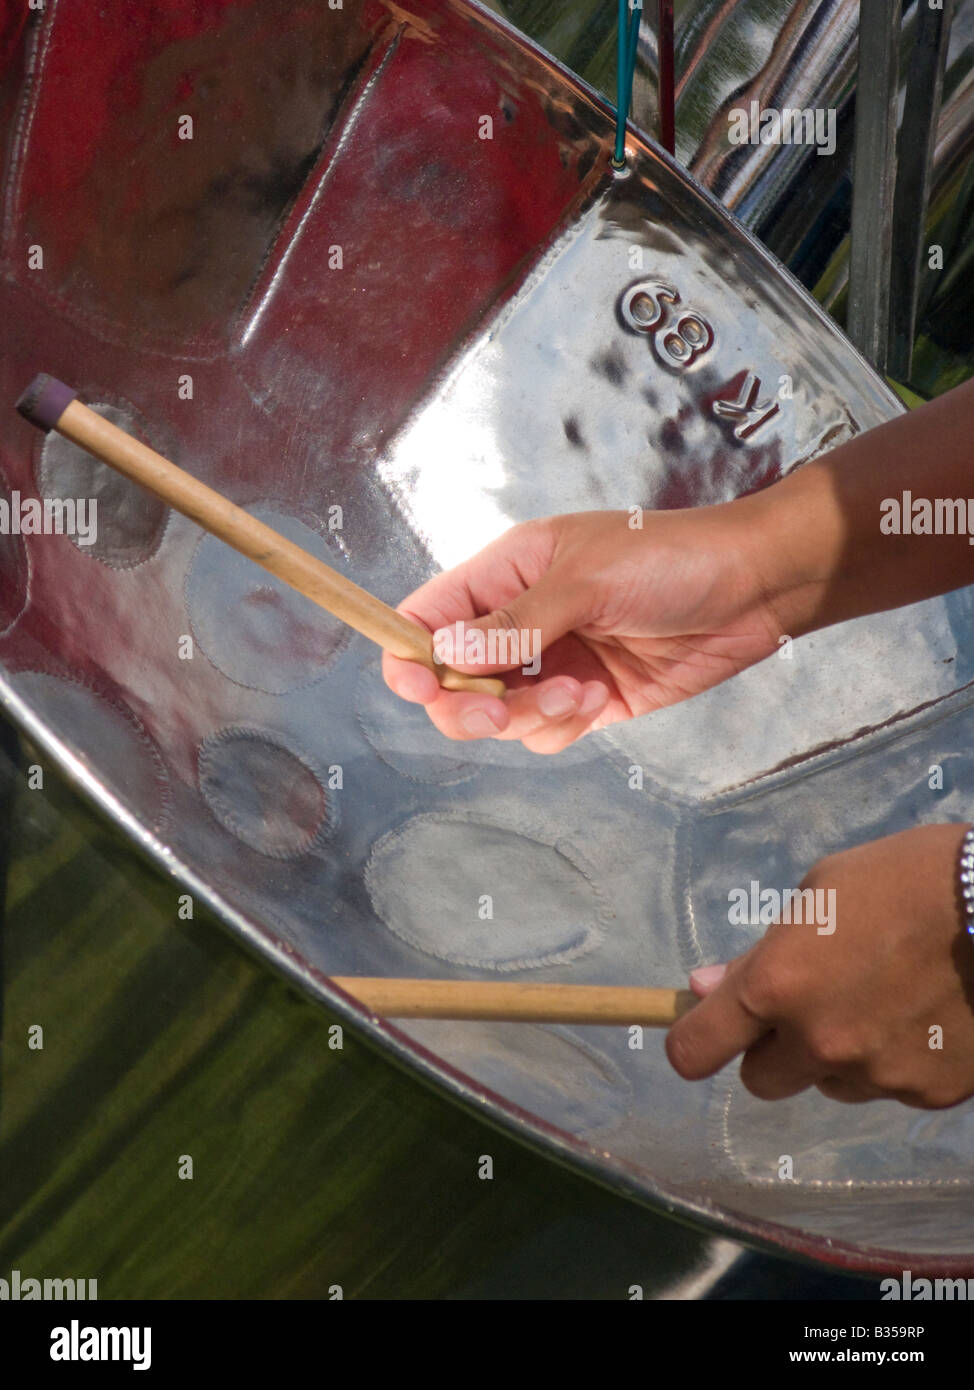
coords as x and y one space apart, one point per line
400 339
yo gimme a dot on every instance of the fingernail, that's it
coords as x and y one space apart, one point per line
593 700
708 976
479 724
557 702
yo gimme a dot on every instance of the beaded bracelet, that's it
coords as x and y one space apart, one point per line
967 880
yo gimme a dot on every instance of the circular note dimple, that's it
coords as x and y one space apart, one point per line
106 736
479 895
546 1071
123 523
254 628
263 793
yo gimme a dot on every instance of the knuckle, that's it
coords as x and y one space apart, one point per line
834 1046
505 619
769 986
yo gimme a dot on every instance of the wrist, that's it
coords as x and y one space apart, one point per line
792 537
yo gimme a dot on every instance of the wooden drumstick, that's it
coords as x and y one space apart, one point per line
51 405
517 1001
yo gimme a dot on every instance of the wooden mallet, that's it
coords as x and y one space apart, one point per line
51 405
519 1002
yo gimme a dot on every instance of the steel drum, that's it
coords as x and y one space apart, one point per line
384 289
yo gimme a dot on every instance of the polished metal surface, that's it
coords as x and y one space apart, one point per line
401 338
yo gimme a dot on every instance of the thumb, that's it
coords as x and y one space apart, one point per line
717 1029
515 635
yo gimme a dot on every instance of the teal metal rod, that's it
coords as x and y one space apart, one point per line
627 44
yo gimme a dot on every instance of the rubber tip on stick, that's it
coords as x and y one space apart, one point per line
45 401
